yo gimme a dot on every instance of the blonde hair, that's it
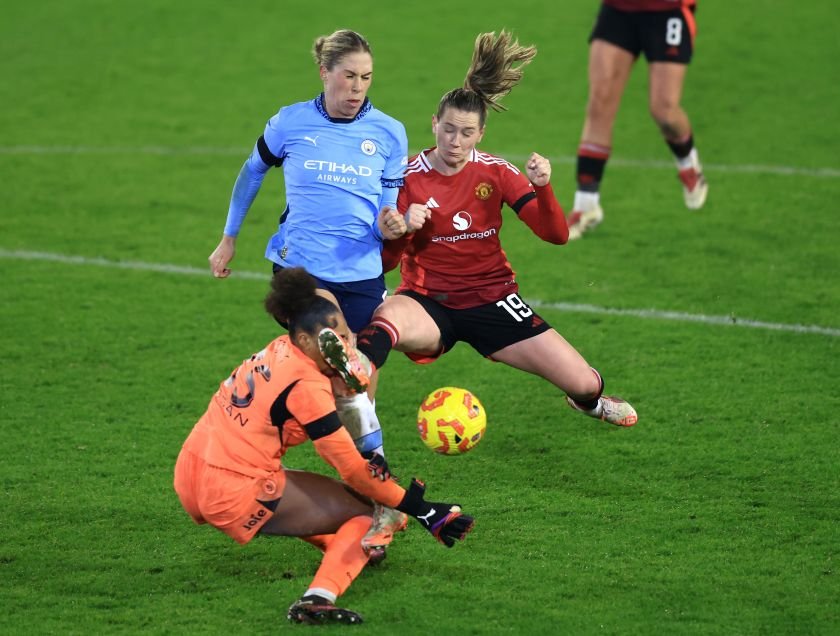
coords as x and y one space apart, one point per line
496 67
328 50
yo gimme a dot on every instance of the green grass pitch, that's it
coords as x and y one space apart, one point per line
123 127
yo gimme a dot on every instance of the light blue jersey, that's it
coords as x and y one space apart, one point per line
338 174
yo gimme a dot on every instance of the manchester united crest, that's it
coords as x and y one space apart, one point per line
483 191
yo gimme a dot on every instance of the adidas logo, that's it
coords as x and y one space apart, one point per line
431 203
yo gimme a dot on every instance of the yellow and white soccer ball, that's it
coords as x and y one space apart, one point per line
451 421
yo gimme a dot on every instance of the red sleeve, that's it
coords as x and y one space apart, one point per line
545 216
339 451
392 252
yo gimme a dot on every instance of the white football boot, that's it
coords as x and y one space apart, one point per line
586 214
386 523
694 183
610 409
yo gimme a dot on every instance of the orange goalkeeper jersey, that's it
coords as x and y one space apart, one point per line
276 399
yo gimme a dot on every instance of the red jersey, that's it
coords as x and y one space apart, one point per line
456 258
649 5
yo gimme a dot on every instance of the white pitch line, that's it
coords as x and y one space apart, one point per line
657 164
656 314
242 151
163 268
729 321
124 150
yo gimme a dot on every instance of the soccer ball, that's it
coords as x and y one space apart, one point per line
451 421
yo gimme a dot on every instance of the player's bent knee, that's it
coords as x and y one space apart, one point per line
586 385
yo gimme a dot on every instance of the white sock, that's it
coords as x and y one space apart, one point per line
585 201
691 160
358 416
319 591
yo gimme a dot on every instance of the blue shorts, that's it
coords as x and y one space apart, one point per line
357 300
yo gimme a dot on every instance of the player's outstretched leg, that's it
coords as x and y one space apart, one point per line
349 363
343 560
316 610
609 409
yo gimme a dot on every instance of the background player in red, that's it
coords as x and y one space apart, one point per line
664 30
457 284
229 472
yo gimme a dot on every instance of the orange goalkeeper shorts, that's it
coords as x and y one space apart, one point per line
236 504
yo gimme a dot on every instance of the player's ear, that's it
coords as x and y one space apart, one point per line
434 124
322 70
480 134
303 341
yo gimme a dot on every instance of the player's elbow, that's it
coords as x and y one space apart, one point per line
556 237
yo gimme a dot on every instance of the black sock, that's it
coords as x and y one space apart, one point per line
375 342
589 403
681 149
590 171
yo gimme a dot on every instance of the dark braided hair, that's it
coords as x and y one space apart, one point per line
295 305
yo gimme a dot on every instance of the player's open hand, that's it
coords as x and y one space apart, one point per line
538 169
221 256
391 223
444 521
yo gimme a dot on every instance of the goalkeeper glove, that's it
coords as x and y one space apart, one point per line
378 467
444 521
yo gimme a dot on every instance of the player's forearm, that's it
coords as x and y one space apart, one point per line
338 450
392 252
245 190
545 217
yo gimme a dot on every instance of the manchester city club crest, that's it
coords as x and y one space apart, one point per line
368 147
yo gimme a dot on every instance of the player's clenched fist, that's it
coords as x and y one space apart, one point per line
538 169
416 216
221 256
391 223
